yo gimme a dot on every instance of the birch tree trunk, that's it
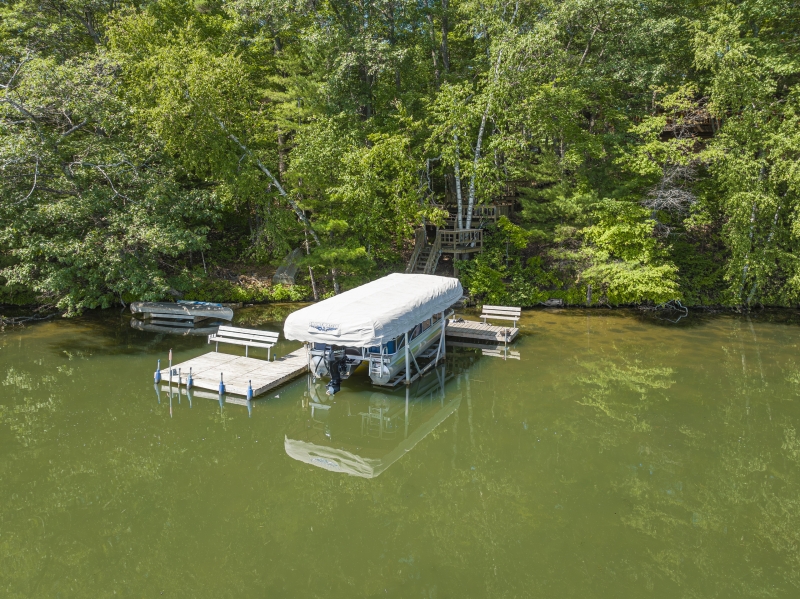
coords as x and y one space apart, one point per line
459 200
445 33
477 157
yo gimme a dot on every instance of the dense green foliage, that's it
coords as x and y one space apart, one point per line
655 144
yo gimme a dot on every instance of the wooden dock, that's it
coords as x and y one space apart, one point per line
478 331
239 371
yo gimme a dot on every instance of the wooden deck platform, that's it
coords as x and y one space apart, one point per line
237 371
479 331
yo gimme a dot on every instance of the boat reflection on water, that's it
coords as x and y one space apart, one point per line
201 329
363 433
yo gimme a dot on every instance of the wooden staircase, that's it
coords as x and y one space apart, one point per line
451 240
426 255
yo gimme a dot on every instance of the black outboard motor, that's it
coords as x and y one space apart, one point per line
336 363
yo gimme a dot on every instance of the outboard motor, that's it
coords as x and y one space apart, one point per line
336 363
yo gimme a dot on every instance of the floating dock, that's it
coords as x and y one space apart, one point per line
238 371
479 331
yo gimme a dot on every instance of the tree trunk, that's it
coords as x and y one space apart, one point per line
295 207
281 156
311 272
766 248
459 201
477 156
747 256
434 51
445 33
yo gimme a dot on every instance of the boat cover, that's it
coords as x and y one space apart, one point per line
373 313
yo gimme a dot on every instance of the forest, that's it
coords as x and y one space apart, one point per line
181 148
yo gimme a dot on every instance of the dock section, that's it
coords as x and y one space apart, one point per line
479 332
239 371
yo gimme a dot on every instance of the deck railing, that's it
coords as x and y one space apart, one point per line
482 212
464 241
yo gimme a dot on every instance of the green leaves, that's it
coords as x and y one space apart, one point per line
641 140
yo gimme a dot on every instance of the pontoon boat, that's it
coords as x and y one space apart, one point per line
395 325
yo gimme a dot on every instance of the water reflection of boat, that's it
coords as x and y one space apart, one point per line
182 310
369 431
179 318
175 327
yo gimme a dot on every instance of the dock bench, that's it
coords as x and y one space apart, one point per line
247 337
501 313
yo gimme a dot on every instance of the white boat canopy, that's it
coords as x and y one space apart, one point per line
373 313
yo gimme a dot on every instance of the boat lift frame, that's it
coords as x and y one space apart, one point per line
405 375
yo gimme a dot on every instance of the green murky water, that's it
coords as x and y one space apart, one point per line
619 456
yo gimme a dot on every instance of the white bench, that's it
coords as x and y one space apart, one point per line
501 313
247 337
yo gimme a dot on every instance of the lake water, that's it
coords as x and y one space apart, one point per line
619 456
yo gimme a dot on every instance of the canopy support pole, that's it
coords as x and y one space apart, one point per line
441 349
407 391
408 365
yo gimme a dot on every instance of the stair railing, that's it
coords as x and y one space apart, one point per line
419 244
433 257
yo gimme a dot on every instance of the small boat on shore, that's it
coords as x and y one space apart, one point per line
395 325
195 311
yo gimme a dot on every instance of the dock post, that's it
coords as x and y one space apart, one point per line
221 385
408 365
157 374
249 390
407 392
189 381
441 338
